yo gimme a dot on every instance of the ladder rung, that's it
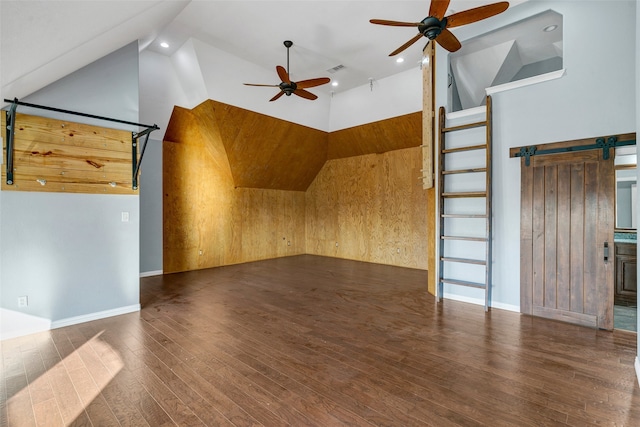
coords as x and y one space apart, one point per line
471 239
474 170
464 260
467 148
463 283
465 194
463 216
461 127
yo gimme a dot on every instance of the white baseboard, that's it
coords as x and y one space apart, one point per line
151 273
478 301
507 307
94 316
14 324
637 366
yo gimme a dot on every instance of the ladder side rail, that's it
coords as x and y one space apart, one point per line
441 203
488 187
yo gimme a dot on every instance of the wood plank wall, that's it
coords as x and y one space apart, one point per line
208 222
371 204
370 208
61 156
391 134
265 152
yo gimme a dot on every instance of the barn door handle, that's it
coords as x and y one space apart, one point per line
606 251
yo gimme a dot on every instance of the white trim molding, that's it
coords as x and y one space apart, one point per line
94 316
526 82
637 366
151 273
14 324
479 301
505 87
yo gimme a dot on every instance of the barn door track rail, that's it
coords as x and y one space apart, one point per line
135 136
604 143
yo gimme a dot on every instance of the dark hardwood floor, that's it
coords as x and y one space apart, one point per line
316 341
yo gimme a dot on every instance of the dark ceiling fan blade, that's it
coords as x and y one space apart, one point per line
277 96
438 8
447 40
476 14
305 94
394 23
312 82
407 44
254 84
282 73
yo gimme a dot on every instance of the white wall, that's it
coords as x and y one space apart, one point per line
70 253
160 89
151 210
389 97
595 98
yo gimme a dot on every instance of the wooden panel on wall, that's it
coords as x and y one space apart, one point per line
373 207
207 222
272 223
61 156
265 152
379 137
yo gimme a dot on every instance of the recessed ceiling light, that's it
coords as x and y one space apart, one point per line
399 60
334 84
164 45
549 28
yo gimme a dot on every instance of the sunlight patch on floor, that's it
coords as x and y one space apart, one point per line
63 391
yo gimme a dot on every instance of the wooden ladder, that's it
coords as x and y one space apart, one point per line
465 213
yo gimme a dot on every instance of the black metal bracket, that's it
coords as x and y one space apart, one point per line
527 152
135 161
601 143
11 120
610 143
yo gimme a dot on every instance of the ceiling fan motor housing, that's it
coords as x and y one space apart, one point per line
431 27
288 88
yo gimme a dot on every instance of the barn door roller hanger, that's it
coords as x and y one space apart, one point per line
135 136
601 143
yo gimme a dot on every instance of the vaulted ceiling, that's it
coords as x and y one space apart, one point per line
43 41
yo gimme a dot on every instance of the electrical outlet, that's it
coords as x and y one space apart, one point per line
200 252
125 216
23 301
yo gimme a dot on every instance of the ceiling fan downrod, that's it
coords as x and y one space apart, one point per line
288 44
288 87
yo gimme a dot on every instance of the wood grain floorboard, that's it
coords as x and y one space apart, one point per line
316 341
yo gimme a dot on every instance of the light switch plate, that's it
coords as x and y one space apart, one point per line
125 216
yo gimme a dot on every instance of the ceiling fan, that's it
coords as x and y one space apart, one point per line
287 87
436 25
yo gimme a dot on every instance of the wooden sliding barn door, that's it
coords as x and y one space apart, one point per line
567 250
